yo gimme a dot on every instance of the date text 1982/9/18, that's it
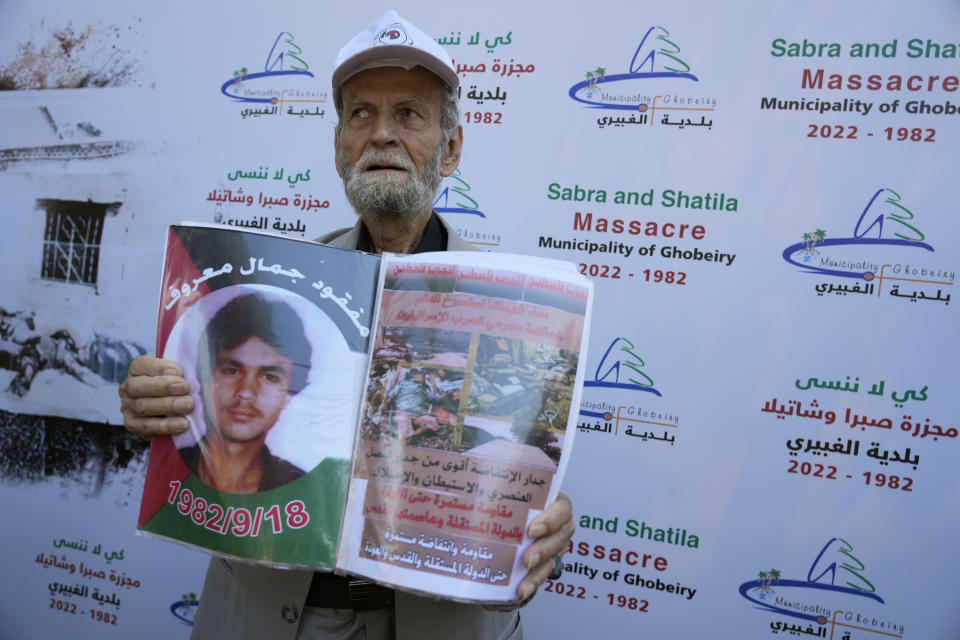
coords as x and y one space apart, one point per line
237 521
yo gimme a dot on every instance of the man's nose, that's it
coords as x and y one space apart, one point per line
246 388
384 130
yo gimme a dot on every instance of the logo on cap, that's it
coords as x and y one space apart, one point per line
394 34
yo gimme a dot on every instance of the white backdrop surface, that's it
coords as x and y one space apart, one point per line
763 192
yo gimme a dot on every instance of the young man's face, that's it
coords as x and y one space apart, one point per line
251 386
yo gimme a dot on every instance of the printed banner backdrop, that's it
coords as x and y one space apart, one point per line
760 192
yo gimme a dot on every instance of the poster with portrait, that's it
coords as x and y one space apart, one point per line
271 334
402 418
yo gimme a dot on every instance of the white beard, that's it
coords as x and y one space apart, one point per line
391 195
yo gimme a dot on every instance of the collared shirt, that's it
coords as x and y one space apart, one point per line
434 237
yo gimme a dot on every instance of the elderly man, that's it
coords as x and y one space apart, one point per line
397 137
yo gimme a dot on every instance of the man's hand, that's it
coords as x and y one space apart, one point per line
552 529
154 398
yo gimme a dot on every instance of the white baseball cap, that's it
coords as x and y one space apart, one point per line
391 41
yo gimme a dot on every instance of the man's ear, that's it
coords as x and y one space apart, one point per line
451 155
336 152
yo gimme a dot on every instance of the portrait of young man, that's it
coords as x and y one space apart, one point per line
252 359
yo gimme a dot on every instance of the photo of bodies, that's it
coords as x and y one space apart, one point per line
520 393
469 393
415 387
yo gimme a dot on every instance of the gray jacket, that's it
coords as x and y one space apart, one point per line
349 237
242 601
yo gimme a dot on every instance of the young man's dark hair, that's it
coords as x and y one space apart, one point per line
274 322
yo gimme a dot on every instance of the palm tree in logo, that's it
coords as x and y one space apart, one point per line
774 576
593 77
766 579
763 580
240 75
811 240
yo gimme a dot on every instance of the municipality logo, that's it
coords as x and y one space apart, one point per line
886 254
621 369
394 34
658 88
285 80
836 596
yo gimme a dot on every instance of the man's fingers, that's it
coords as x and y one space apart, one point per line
151 366
148 417
166 406
552 531
553 544
147 386
558 514
149 427
529 585
154 397
539 559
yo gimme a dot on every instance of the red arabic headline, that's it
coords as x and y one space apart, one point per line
501 278
479 314
558 286
491 276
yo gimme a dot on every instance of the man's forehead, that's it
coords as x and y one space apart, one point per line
253 350
416 83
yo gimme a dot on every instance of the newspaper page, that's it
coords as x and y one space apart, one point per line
475 375
272 334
